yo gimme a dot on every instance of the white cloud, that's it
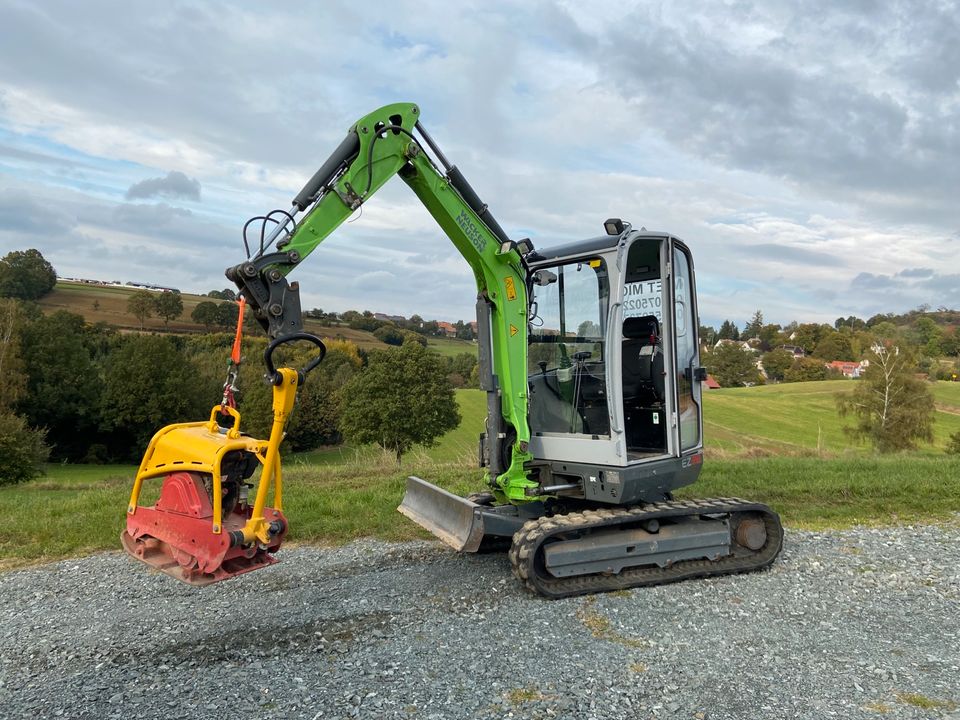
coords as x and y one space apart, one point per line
174 185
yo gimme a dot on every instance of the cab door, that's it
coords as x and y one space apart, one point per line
646 351
688 418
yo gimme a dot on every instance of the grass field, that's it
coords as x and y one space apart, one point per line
782 445
108 304
452 346
837 492
801 418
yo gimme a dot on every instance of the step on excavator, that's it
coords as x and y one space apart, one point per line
589 356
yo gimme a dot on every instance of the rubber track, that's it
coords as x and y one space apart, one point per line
526 552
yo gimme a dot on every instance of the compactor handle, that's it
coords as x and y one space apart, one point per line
273 376
213 425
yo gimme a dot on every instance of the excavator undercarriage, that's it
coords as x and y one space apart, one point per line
618 548
560 549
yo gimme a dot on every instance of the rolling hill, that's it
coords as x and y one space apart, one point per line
108 304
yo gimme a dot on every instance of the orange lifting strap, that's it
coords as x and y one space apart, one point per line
235 353
233 370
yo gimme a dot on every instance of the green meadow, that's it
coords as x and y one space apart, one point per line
779 444
451 347
801 418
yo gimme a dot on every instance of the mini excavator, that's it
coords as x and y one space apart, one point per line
589 356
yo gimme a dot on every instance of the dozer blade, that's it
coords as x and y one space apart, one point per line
453 519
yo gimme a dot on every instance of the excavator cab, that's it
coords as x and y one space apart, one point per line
613 367
613 373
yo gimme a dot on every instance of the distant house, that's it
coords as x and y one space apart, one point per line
711 382
85 281
447 329
849 369
742 344
383 317
148 286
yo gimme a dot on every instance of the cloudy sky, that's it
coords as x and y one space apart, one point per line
808 152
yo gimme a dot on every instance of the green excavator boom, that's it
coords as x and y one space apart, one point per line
377 147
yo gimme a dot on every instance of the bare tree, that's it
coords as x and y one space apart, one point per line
893 409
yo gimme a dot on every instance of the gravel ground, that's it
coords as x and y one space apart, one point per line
858 624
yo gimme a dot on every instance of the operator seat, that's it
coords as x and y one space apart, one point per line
642 360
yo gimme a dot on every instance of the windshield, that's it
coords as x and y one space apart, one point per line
566 354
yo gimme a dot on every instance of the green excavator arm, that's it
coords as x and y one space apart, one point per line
377 147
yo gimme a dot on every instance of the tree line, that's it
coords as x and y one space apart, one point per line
800 352
76 392
396 324
144 304
80 392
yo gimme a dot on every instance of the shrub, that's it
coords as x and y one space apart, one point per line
410 336
806 369
389 334
22 448
953 446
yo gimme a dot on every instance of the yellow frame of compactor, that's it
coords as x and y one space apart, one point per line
200 447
